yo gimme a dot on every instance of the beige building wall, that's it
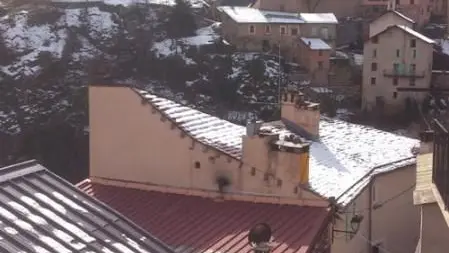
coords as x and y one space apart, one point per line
378 67
394 218
133 142
385 21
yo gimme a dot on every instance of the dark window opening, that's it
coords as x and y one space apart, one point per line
395 81
395 95
279 182
253 171
373 66
375 40
413 43
294 31
373 81
398 53
197 165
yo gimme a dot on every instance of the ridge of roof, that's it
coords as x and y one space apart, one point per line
36 203
397 13
407 30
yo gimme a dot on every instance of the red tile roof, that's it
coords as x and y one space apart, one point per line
204 224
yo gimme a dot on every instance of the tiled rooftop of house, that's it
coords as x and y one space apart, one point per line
195 224
242 14
343 158
315 43
41 212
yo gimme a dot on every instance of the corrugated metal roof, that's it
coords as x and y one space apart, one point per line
198 224
41 212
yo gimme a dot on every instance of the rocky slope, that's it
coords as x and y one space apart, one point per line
51 51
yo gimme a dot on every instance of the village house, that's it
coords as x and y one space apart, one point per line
431 192
40 212
199 182
395 56
250 29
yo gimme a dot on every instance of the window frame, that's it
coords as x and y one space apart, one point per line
283 27
253 30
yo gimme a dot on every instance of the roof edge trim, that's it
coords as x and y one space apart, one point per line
19 170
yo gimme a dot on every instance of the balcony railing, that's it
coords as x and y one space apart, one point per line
404 73
440 173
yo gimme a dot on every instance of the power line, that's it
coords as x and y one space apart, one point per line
380 204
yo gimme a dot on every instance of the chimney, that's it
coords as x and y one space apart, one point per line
256 145
299 114
426 145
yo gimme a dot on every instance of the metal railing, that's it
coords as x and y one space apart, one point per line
404 73
440 170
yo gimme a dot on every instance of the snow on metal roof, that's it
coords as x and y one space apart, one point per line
416 34
41 212
319 18
242 14
344 154
403 16
315 43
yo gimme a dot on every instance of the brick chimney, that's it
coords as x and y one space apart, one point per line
303 116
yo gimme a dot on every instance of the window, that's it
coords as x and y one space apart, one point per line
294 31
412 82
398 53
414 54
320 65
373 193
283 30
375 40
395 81
395 95
374 53
373 81
253 171
267 29
413 43
282 7
412 1
320 52
398 2
373 66
197 165
252 29
279 183
377 248
325 33
396 67
412 68
314 31
296 190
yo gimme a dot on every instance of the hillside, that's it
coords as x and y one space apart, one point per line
52 51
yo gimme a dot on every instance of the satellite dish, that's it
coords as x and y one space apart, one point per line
259 234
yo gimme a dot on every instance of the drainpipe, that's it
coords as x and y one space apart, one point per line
370 218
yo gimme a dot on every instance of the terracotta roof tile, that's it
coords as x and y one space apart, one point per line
202 224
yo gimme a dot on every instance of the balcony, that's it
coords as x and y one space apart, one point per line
404 73
440 173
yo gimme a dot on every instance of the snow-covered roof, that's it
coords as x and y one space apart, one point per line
416 34
241 14
319 18
315 43
341 162
404 17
